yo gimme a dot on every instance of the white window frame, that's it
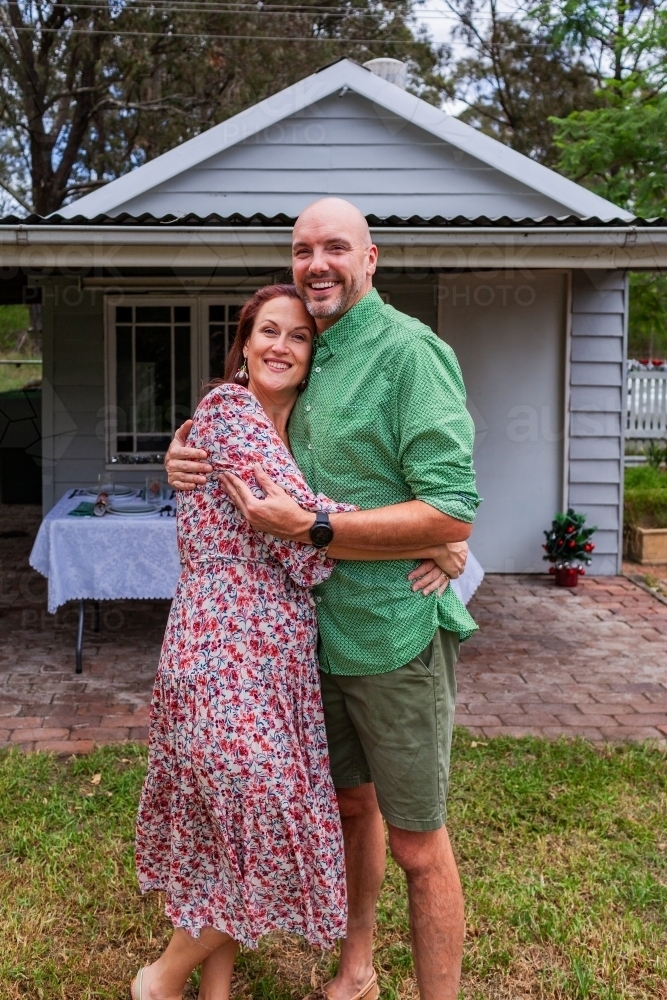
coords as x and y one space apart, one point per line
199 351
227 298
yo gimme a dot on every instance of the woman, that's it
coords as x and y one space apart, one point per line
238 822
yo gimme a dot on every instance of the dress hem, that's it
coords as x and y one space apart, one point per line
222 923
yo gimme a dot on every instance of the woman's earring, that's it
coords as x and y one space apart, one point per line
242 376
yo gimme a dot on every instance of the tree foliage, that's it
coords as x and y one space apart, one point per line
92 89
619 149
517 77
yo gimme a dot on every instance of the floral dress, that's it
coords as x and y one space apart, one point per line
238 822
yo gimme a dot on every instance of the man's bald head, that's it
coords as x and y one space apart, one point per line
340 214
333 258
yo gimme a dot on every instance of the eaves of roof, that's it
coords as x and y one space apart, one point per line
57 245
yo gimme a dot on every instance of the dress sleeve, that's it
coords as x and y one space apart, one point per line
232 426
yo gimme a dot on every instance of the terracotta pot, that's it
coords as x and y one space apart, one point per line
567 576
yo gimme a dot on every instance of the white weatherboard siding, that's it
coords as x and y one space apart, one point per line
597 400
349 147
73 391
508 331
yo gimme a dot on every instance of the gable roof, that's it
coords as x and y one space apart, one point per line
244 176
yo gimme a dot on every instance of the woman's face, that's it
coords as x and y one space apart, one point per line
278 350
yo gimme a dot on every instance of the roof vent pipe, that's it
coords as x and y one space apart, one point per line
392 70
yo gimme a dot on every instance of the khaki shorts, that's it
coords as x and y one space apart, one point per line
395 729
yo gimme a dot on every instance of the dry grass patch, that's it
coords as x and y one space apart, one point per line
562 848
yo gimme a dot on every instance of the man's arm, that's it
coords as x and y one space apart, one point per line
410 525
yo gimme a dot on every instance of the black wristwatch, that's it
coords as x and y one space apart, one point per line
321 533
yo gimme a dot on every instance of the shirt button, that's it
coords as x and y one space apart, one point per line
318 369
310 447
308 408
319 600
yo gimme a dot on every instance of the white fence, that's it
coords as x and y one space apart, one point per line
647 405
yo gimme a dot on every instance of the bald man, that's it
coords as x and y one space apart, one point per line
382 424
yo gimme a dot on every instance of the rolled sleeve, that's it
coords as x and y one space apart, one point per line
434 429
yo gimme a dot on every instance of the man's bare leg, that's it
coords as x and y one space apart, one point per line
437 925
365 855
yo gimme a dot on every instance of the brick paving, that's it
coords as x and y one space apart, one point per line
44 705
548 661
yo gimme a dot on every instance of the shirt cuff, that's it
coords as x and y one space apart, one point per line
461 506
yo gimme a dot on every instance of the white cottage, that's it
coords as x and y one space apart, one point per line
522 271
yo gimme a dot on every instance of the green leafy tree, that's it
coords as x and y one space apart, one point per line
619 149
92 89
647 327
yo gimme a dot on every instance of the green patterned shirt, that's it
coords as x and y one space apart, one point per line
383 420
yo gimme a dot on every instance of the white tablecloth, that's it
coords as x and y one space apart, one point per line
112 558
469 581
105 558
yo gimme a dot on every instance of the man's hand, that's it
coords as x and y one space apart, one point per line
186 467
277 514
280 516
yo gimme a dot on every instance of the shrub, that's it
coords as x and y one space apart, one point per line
645 497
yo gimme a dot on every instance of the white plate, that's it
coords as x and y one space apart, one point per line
119 491
134 508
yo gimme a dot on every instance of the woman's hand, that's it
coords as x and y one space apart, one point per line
428 577
186 467
451 558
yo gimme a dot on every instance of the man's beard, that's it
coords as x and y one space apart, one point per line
345 299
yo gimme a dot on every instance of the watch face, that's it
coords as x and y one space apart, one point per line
321 534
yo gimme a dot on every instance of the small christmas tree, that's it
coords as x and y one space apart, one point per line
568 542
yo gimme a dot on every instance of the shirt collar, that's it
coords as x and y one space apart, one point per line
350 322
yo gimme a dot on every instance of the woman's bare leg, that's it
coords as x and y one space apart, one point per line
216 972
166 978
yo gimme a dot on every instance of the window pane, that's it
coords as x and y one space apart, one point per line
123 314
153 378
181 314
124 379
216 314
217 353
182 372
125 442
153 314
153 442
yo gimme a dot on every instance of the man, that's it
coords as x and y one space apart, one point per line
382 424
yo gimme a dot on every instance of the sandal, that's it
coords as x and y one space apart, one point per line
138 980
368 992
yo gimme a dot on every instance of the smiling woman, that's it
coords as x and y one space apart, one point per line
271 351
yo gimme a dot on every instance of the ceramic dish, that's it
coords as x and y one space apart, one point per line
133 508
119 491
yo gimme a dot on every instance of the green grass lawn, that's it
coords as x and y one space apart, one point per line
562 849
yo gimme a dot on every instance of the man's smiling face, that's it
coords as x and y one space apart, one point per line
333 259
